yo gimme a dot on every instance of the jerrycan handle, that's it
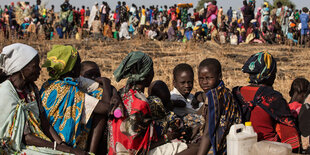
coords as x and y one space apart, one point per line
235 128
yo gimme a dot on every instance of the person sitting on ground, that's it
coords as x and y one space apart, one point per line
172 31
152 34
219 108
23 123
97 28
214 31
234 34
188 32
90 70
162 35
107 31
124 32
263 106
132 132
160 89
199 32
181 97
222 35
250 34
62 96
169 128
298 92
290 37
265 33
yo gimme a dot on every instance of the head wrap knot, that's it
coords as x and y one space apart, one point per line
15 57
60 60
260 66
136 66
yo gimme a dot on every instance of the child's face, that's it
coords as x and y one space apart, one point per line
90 72
208 79
184 82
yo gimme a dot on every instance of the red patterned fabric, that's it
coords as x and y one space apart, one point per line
295 108
269 113
131 134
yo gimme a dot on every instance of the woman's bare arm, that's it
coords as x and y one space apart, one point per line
48 130
103 106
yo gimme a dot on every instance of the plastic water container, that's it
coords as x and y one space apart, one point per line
234 40
271 148
240 139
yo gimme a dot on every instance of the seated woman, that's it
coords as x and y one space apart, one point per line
262 105
72 111
23 122
132 133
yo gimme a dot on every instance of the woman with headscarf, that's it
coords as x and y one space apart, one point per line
212 11
23 124
132 133
262 105
74 106
283 13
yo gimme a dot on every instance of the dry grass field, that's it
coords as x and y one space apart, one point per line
293 62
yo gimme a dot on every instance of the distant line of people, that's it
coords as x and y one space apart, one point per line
279 25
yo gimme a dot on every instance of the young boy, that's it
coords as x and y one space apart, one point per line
181 97
209 77
304 19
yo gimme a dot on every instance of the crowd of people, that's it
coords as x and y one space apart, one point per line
277 25
78 111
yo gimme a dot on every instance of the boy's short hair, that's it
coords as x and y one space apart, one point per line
183 67
299 85
305 9
211 62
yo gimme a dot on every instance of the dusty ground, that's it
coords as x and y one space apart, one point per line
293 62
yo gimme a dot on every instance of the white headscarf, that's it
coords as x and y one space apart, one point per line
15 57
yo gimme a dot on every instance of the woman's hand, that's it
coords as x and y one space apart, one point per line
116 102
63 144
